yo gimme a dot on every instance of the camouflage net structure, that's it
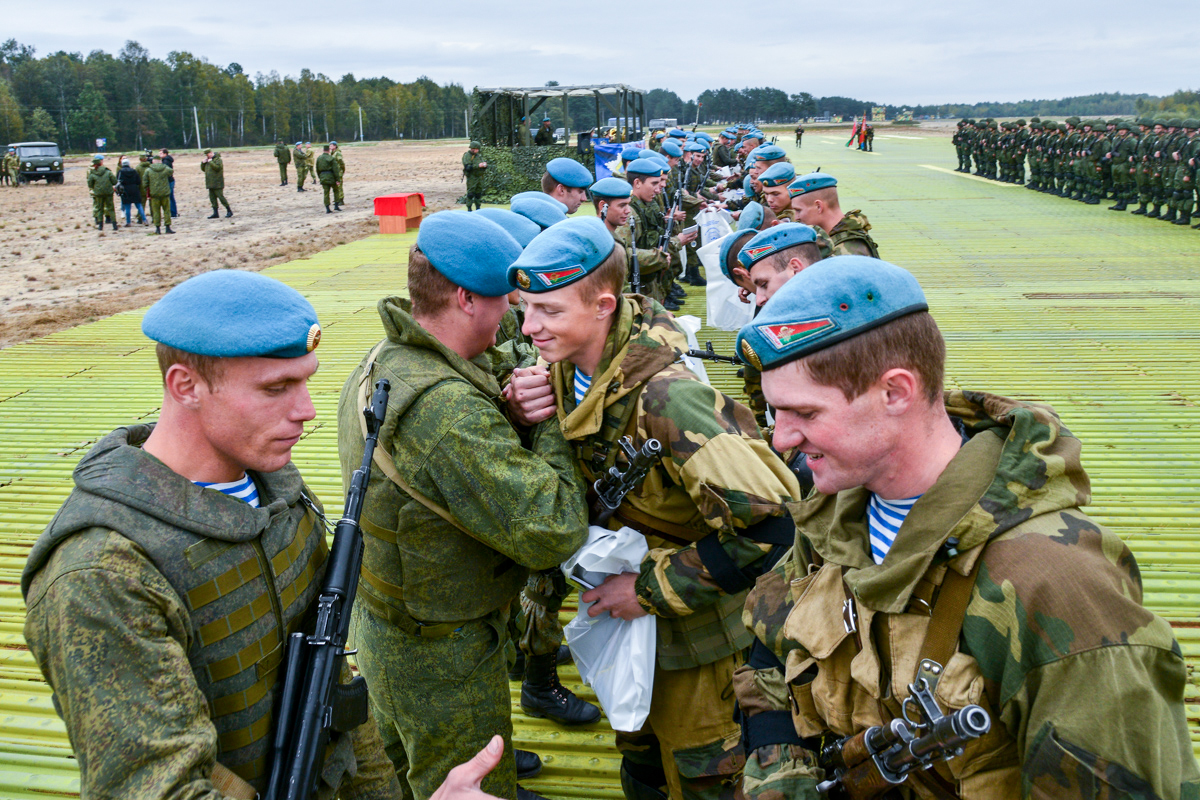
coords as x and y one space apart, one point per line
512 170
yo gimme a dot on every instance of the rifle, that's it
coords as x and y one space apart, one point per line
664 241
616 483
635 275
712 355
871 763
312 700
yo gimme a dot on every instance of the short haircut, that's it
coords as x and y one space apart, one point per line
209 368
911 342
635 179
549 184
808 252
609 276
828 195
431 292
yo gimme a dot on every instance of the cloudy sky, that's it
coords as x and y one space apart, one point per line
889 51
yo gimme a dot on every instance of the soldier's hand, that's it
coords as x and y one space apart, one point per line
680 215
462 782
529 395
688 238
744 295
617 596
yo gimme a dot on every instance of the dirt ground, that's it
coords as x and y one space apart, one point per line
57 270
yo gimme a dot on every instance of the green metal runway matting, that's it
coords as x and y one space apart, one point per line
1095 312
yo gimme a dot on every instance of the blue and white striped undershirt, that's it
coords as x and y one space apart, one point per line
884 518
582 383
243 489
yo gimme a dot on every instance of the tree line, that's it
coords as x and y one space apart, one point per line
136 101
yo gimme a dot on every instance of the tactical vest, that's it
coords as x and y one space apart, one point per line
245 587
683 642
429 576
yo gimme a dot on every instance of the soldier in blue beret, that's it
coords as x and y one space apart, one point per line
647 177
545 135
672 150
446 560
566 180
616 357
539 196
723 155
774 181
519 227
540 208
967 494
815 203
775 255
677 133
612 198
115 574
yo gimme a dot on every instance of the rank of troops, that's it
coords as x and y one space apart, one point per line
1150 163
874 562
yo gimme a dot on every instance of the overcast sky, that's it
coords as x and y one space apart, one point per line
886 51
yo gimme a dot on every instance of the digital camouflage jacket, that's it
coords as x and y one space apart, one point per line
1083 684
850 238
716 473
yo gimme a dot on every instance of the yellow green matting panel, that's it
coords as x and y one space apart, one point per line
1095 312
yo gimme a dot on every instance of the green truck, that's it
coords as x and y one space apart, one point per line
39 161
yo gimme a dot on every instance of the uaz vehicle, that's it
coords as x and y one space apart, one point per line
39 160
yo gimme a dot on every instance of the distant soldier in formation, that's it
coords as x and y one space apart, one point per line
340 187
284 156
214 180
329 173
301 165
473 167
101 183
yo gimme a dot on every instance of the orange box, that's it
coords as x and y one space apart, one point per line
400 213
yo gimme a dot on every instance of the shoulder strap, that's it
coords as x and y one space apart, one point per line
949 610
383 459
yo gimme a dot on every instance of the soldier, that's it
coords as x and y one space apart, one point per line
776 255
644 176
6 166
538 207
611 198
815 201
1123 159
959 140
129 186
722 155
567 181
523 137
284 156
1142 158
945 542
310 161
144 194
158 179
869 138
301 165
799 134
459 511
149 611
710 509
101 184
776 196
340 187
214 180
164 155
1184 183
545 135
473 167
329 173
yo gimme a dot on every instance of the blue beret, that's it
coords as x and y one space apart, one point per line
645 167
569 172
540 196
660 135
562 255
541 208
611 187
731 245
687 137
470 250
518 227
630 153
704 136
332 144
773 240
661 160
751 216
229 314
729 133
827 303
811 183
777 174
299 143
770 152
676 132
672 149
695 147
648 153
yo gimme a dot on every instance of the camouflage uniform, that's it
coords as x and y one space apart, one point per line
214 181
158 185
329 172
849 237
158 612
1084 685
284 156
100 182
650 227
434 605
650 260
474 175
339 189
301 167
717 482
510 327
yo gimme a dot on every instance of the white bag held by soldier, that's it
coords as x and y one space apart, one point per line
724 310
614 656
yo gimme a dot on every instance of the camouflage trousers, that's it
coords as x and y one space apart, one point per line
301 174
215 196
438 702
103 208
283 172
326 188
690 742
542 632
160 209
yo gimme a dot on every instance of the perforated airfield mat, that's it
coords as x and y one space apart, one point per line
1095 312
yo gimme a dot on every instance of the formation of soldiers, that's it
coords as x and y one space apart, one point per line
862 583
1149 163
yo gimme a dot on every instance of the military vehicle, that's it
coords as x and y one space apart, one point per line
39 161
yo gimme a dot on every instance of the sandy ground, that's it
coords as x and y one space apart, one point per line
57 270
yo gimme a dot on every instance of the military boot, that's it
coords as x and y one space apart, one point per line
677 292
1196 226
301 189
525 794
157 231
100 224
169 230
327 211
528 764
1153 212
1120 205
1169 216
215 214
694 277
543 695
337 206
1184 218
639 787
671 305
1140 211
517 673
228 213
114 224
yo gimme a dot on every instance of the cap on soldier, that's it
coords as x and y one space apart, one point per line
540 196
676 133
333 144
543 210
731 246
518 227
629 154
645 168
298 144
474 145
1122 125
95 158
829 302
751 216
611 187
778 174
672 149
471 251
569 172
1020 122
773 240
208 149
811 182
562 255
729 133
1175 122
645 153
704 136
695 147
769 152
229 313
1191 123
660 135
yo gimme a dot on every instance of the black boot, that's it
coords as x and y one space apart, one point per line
228 213
169 229
525 794
671 305
327 211
1140 211
337 206
114 224
543 695
1184 219
157 231
528 764
1120 206
301 189
100 224
1153 212
1169 216
677 293
694 276
517 673
642 787
1092 200
214 215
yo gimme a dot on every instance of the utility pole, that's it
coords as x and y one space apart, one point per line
196 119
360 133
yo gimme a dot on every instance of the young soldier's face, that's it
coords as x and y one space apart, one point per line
618 212
561 324
644 189
777 198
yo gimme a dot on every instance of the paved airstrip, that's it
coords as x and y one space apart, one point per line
1094 312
